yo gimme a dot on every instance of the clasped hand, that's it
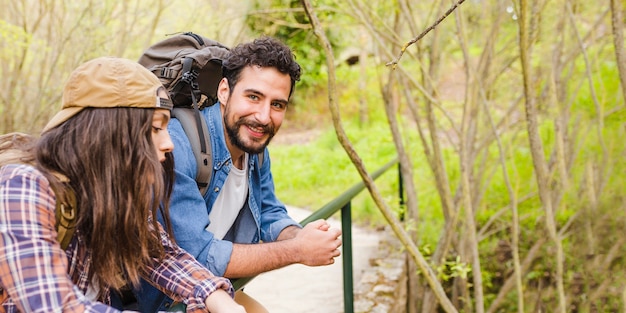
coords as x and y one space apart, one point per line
318 243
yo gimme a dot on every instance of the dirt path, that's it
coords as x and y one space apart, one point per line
302 289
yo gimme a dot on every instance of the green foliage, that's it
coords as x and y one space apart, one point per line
453 268
286 20
14 40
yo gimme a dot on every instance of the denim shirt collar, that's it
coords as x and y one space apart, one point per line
215 123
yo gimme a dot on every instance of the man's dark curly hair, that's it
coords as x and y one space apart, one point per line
264 52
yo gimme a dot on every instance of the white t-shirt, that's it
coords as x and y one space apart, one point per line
230 201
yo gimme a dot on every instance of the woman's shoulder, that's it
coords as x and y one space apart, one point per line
19 176
19 169
24 186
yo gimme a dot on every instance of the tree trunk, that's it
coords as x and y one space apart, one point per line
618 42
536 147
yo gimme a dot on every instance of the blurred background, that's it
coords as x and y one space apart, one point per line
508 116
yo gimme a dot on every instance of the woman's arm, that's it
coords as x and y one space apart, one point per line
184 279
220 301
33 265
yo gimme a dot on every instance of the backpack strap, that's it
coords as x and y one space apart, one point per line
198 135
65 212
195 129
196 37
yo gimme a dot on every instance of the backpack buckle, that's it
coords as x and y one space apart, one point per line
166 72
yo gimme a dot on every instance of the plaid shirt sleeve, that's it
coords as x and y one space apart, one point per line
181 277
33 267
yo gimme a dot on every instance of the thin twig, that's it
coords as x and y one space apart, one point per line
424 33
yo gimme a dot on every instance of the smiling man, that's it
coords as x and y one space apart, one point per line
240 228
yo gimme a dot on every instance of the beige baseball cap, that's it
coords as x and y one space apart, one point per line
109 82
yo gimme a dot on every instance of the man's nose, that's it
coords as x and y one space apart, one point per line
263 113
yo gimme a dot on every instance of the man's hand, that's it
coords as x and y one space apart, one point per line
318 244
314 245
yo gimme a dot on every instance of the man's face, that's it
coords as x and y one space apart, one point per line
255 109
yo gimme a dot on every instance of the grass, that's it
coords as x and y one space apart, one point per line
310 175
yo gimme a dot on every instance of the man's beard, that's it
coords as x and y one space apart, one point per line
232 130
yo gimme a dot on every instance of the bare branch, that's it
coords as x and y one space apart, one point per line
404 237
424 33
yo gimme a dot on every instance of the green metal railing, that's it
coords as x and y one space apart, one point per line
343 203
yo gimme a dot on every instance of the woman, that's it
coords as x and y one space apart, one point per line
109 148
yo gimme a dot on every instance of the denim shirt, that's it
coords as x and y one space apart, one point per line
261 219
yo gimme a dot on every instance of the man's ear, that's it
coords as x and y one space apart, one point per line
223 91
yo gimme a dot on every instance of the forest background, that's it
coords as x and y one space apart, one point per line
508 120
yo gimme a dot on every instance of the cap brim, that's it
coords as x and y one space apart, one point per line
61 117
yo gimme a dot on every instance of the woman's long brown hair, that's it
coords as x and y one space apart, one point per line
110 159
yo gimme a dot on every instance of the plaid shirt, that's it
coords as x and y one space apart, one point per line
36 275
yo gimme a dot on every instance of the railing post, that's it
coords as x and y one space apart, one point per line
346 238
342 202
401 192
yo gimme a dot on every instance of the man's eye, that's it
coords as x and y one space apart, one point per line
279 105
253 97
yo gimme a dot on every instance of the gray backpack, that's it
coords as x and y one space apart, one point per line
190 67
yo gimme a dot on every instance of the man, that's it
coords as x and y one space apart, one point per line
239 228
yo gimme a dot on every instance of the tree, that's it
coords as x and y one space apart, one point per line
43 41
496 149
